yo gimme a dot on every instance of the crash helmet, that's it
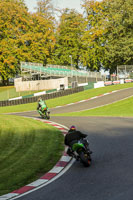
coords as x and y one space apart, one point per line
39 99
72 128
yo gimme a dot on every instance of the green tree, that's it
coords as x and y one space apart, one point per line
41 41
45 7
119 35
68 38
13 24
93 39
108 41
44 32
24 36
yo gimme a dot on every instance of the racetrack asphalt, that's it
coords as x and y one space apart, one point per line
111 140
100 100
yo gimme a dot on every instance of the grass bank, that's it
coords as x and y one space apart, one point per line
28 149
66 99
9 92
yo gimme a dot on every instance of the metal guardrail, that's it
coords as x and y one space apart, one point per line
45 97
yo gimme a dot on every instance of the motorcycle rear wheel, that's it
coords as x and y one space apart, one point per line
47 116
85 159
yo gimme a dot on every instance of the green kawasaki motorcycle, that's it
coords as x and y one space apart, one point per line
82 153
44 112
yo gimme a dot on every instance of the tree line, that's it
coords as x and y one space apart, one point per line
100 37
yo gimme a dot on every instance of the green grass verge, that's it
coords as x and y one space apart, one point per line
66 99
28 149
123 108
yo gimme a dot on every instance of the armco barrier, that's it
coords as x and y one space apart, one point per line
45 97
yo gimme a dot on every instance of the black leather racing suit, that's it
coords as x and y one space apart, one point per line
72 137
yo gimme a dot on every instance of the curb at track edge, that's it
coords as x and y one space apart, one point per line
61 166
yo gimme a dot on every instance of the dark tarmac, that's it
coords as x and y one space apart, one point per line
110 176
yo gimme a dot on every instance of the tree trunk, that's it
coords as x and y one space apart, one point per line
7 82
3 81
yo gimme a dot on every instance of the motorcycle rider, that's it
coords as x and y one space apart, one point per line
73 136
40 103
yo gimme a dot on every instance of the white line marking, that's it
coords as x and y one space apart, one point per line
94 97
104 104
81 101
56 170
114 91
65 158
53 179
69 104
38 182
57 126
8 196
106 94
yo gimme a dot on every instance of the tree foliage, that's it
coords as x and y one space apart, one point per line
109 37
23 37
45 7
93 38
68 38
103 36
43 39
119 34
13 24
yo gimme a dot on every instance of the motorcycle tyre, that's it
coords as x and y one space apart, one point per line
47 116
42 116
86 161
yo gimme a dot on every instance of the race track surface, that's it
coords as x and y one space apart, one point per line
91 103
111 140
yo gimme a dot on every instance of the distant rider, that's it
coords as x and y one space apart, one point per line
41 102
73 136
